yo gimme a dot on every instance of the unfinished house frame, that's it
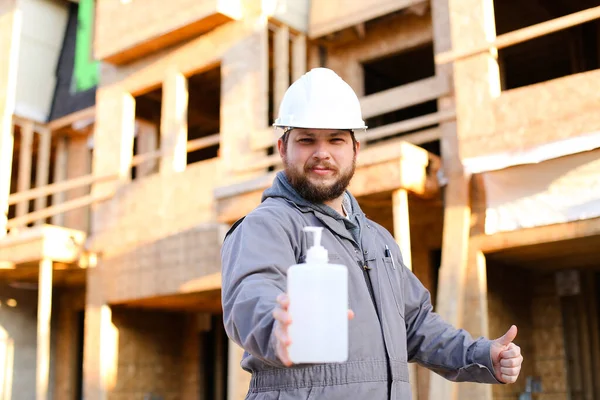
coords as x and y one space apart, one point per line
481 159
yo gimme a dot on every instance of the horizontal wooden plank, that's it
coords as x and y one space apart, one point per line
334 15
542 234
59 187
57 209
404 96
407 125
192 145
523 35
67 120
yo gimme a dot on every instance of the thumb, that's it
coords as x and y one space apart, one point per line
508 337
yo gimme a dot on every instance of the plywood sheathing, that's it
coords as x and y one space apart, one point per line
530 116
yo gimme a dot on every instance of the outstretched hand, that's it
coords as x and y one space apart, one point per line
506 357
282 322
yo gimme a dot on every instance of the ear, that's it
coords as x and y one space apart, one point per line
280 147
357 147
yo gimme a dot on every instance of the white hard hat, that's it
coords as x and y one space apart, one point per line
320 99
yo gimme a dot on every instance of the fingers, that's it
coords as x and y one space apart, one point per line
512 351
510 363
350 314
283 341
282 321
283 300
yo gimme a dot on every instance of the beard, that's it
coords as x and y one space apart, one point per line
320 192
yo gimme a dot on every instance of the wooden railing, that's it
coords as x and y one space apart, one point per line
523 35
384 102
83 181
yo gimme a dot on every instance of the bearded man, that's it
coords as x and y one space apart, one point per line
393 322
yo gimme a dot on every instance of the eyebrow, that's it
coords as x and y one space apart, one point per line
332 134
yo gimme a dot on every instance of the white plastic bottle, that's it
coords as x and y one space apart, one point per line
318 293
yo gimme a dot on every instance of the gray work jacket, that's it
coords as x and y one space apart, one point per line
397 327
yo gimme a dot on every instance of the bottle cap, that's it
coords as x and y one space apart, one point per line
316 253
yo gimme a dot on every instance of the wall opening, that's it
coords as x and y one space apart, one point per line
204 111
148 110
396 70
559 54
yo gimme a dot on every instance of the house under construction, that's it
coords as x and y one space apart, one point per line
134 134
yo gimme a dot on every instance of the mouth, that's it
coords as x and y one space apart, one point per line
323 171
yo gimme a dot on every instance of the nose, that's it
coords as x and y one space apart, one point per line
321 151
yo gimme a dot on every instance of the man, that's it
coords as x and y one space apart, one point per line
392 319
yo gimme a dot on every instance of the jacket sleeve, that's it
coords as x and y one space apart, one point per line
438 346
255 258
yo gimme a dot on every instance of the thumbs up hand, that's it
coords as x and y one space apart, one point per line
506 357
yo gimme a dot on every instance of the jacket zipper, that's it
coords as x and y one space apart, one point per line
365 268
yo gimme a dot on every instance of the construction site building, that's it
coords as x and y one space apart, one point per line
133 134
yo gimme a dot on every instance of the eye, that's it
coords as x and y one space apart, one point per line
338 140
305 140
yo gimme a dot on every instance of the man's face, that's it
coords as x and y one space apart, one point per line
319 163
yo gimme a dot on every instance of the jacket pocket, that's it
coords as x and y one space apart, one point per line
395 279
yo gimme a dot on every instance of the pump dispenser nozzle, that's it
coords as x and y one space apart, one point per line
316 253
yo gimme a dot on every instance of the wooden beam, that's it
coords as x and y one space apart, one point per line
61 208
404 96
43 169
522 35
542 234
10 28
24 178
173 127
282 64
68 120
61 186
407 125
44 314
60 175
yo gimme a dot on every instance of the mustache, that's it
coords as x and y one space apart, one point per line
322 164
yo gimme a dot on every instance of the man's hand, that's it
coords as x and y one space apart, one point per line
282 322
506 357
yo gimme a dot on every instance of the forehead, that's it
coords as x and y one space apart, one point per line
319 132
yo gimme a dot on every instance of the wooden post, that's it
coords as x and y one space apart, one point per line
43 329
10 28
43 169
60 175
24 178
282 64
402 235
458 24
298 56
173 128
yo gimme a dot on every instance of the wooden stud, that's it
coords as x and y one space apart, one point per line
44 311
298 56
10 28
402 235
43 169
24 178
173 127
60 175
282 64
